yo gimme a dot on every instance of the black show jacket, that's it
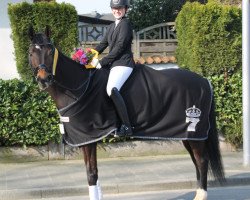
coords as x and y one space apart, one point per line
119 39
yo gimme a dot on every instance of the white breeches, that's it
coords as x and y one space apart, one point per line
117 77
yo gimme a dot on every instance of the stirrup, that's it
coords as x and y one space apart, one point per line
124 131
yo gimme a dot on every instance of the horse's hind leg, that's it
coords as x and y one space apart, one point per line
90 160
198 153
187 146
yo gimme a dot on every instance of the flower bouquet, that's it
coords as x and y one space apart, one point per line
85 57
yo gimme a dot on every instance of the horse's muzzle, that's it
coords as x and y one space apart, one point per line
44 83
44 77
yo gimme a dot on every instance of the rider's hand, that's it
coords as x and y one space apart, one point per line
94 62
98 66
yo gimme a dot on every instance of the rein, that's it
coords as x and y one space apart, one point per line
63 86
81 86
52 73
85 84
82 95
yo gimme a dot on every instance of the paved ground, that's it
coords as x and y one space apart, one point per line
215 193
119 175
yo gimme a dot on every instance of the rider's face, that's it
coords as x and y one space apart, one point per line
119 12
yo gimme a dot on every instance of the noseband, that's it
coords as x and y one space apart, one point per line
39 68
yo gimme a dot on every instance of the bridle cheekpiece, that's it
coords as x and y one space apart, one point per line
51 72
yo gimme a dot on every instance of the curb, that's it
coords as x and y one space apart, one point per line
40 193
104 150
109 150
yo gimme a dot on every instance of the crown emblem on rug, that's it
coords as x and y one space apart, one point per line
193 112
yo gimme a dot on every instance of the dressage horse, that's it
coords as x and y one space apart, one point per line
160 104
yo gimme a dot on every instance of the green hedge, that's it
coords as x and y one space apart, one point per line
228 95
209 38
62 19
27 115
209 43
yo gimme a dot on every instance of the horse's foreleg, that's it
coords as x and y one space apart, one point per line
90 160
198 152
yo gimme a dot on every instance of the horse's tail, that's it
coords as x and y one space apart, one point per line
215 161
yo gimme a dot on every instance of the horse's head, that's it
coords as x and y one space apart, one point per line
41 54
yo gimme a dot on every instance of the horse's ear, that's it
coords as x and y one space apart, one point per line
47 31
31 33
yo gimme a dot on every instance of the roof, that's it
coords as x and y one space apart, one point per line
97 18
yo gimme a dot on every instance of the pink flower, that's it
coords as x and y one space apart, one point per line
77 55
82 57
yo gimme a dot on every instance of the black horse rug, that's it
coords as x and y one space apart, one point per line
167 104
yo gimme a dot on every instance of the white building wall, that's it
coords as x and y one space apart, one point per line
7 59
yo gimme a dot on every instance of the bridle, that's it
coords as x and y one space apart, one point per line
50 71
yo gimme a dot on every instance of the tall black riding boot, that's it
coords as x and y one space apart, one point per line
125 129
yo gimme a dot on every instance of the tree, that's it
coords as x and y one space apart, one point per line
144 13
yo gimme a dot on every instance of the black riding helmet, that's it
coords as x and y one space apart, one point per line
119 3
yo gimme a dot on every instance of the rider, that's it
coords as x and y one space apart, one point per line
119 60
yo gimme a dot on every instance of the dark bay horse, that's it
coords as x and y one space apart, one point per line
80 96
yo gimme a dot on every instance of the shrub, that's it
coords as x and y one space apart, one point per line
27 116
62 19
228 95
209 38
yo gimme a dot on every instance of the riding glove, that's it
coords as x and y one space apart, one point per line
95 63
